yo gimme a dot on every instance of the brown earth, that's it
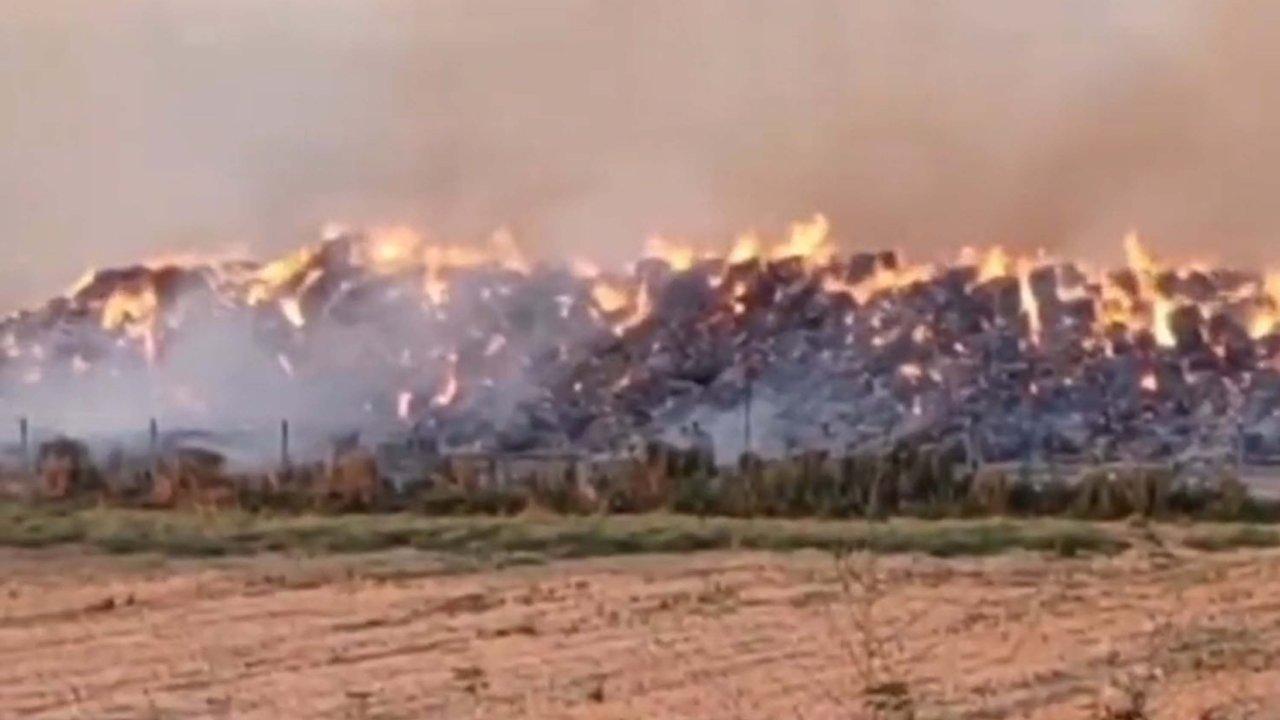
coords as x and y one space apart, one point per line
721 635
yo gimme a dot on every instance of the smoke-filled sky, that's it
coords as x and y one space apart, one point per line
133 128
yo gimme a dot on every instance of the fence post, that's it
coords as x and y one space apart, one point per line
24 443
153 446
284 445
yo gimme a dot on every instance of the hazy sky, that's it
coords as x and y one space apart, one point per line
131 128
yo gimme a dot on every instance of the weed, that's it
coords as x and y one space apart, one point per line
869 642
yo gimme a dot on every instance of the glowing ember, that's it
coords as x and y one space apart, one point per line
449 389
285 364
404 405
292 311
1150 383
393 249
911 371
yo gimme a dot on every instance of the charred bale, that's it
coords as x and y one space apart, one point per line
1122 489
650 485
193 477
470 472
555 482
1095 495
990 490
352 481
64 469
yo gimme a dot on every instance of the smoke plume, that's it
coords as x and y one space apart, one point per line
134 128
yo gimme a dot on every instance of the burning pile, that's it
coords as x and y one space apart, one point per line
763 347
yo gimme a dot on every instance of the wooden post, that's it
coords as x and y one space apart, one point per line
153 446
284 445
1240 450
24 443
973 441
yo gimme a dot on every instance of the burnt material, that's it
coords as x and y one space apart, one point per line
772 353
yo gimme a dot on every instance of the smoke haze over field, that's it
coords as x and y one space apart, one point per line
128 129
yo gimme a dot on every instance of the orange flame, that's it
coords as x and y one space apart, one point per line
134 310
679 257
608 297
807 240
745 248
642 309
996 263
1266 316
393 249
1145 268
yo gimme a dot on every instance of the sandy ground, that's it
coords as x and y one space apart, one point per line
725 635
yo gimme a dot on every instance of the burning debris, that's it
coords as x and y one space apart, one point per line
769 349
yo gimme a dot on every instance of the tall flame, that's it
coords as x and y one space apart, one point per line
1144 267
1030 306
807 240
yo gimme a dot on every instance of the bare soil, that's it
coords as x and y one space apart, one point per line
405 634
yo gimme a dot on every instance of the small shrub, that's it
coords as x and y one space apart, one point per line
195 545
40 532
498 501
124 543
443 499
1233 539
694 495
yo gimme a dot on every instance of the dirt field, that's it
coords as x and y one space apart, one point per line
717 635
